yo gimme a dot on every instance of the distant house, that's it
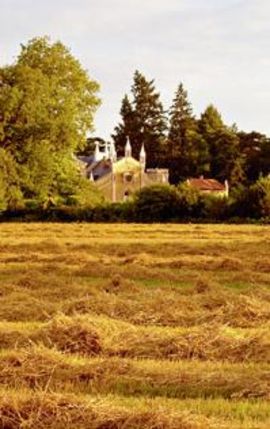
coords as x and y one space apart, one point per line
210 186
118 178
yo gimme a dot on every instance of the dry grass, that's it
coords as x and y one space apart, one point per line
92 335
33 367
134 315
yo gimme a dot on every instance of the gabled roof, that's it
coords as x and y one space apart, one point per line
87 159
99 168
207 184
127 164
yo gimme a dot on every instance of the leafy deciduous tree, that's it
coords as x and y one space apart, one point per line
226 161
47 103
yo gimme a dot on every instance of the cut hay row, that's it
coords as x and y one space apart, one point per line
39 368
93 336
59 411
33 295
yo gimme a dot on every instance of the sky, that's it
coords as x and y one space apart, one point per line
219 49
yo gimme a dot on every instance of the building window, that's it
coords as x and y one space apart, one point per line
128 177
126 195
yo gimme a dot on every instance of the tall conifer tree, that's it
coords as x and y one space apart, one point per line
188 152
143 121
126 127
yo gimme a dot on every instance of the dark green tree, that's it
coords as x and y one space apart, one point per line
143 121
187 150
226 160
259 198
255 148
211 121
127 128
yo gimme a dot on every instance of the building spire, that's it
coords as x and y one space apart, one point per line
113 154
128 150
97 154
143 156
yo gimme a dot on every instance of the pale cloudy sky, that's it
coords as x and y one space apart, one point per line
220 49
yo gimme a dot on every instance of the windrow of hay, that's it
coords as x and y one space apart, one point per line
206 302
39 368
53 411
208 342
60 411
108 337
123 299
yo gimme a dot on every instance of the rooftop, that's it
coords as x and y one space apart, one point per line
207 184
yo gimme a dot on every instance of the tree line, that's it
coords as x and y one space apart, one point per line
47 107
189 146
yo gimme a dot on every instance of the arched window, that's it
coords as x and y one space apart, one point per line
126 195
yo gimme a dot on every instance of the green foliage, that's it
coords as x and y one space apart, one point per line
259 196
188 200
226 160
68 94
188 152
126 128
3 202
156 203
38 171
143 121
215 207
10 192
47 103
211 121
255 148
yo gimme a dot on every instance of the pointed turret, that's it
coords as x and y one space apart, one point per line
128 150
143 157
97 155
113 154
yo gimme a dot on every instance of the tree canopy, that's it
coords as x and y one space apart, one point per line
47 106
143 121
187 150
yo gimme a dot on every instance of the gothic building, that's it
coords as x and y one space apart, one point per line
118 178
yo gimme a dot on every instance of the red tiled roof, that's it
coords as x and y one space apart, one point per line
207 184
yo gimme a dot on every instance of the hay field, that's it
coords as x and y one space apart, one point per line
134 326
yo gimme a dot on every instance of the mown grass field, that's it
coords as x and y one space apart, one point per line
134 326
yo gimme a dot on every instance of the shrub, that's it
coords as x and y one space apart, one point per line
157 203
189 201
259 196
215 208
